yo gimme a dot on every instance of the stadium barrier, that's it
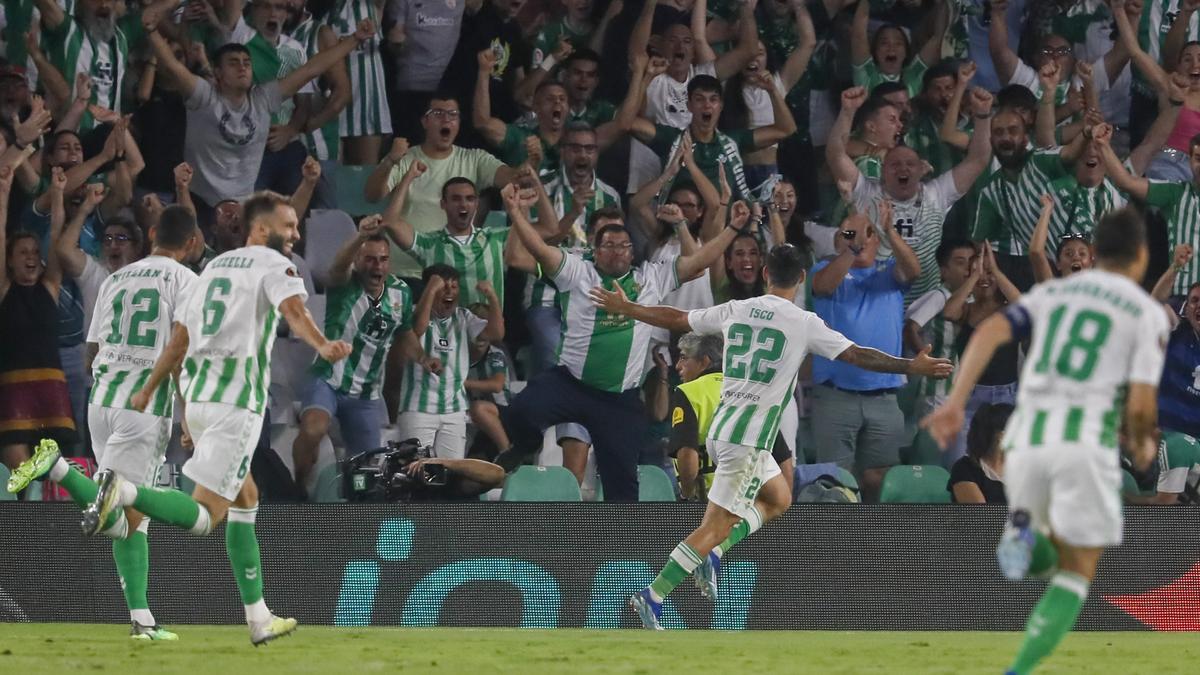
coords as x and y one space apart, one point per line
895 567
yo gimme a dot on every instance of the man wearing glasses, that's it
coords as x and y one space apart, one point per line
602 361
371 309
443 160
857 422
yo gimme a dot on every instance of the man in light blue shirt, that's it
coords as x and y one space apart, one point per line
856 420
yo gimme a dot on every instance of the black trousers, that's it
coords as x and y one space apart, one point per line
617 423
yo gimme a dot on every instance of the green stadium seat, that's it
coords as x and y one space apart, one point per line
541 484
350 183
5 495
654 485
186 485
916 484
924 450
328 486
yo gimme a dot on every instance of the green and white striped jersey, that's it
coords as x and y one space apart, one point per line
449 339
323 143
1093 333
1009 208
1180 203
73 51
368 112
1077 208
939 334
492 362
601 350
766 340
478 257
231 318
918 220
135 310
368 324
539 293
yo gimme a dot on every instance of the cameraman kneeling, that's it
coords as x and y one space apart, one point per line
465 479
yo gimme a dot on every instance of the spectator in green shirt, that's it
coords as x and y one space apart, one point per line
887 56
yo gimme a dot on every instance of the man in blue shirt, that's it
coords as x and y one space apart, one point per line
1179 391
856 420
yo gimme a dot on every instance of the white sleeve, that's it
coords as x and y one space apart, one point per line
570 271
1027 77
943 190
282 282
242 32
927 307
710 320
662 274
1150 350
187 285
655 95
866 192
472 323
823 340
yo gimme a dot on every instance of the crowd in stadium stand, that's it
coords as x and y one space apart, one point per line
466 171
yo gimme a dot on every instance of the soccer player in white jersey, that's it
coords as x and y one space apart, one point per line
766 340
134 311
1097 353
226 329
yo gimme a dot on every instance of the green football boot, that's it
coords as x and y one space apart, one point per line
44 457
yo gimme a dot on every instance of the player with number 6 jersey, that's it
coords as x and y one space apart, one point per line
766 340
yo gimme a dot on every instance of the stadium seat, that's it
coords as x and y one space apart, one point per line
326 231
924 450
350 183
654 485
846 478
917 484
327 488
5 495
541 484
186 485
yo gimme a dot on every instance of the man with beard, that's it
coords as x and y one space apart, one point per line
712 148
923 133
680 54
580 76
273 55
1010 201
228 121
514 143
96 42
603 357
918 208
443 160
222 339
478 253
367 307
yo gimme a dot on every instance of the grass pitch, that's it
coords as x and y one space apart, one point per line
61 648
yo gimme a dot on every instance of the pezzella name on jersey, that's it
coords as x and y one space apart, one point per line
233 261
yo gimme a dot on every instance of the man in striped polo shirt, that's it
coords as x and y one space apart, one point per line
918 208
433 405
1179 202
603 357
367 307
223 341
766 340
136 308
1010 201
478 253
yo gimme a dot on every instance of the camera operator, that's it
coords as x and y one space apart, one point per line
465 479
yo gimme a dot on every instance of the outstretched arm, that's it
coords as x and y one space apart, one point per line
1004 58
728 64
492 129
932 49
549 257
797 62
325 59
1162 289
399 229
167 61
688 266
950 134
979 152
880 362
860 42
339 269
1037 243
784 125
840 164
494 332
1134 187
1143 61
616 302
640 38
